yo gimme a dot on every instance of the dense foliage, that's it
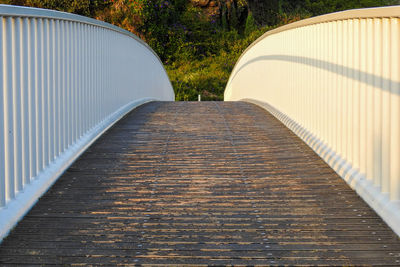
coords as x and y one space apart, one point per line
199 48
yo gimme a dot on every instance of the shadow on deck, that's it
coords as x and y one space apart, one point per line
200 183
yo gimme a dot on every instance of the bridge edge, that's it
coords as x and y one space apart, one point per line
379 202
15 210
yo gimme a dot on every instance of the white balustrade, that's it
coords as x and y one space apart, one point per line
65 79
335 81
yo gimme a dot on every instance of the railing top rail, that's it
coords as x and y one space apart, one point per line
364 13
21 11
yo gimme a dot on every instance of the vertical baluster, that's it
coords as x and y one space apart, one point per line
93 89
370 99
2 121
285 88
97 77
291 113
331 85
93 92
291 77
317 85
305 76
102 67
99 86
61 98
75 121
78 81
340 89
106 87
67 64
323 84
71 89
57 88
280 101
17 105
32 48
349 90
288 83
90 68
295 37
345 91
110 86
8 109
45 92
299 94
310 91
51 76
93 77
90 62
72 107
95 85
335 86
305 86
38 95
356 94
68 90
63 94
386 58
317 79
81 78
363 96
394 110
24 63
297 85
86 72
377 136
315 92
86 78
326 81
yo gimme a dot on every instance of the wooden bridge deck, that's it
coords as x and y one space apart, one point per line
200 183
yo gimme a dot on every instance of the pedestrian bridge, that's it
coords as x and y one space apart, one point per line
300 166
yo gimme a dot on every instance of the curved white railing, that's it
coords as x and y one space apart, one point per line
335 81
65 79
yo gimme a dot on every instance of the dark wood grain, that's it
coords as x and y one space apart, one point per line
206 183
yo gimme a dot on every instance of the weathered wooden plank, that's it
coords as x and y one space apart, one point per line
197 184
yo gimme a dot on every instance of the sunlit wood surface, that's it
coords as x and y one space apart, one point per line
210 183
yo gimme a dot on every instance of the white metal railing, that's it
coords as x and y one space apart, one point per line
335 81
64 80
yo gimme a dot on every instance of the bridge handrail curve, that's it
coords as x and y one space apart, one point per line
362 13
334 80
28 12
65 79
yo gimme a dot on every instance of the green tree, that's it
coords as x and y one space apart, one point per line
250 24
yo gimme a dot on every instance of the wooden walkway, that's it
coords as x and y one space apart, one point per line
200 183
